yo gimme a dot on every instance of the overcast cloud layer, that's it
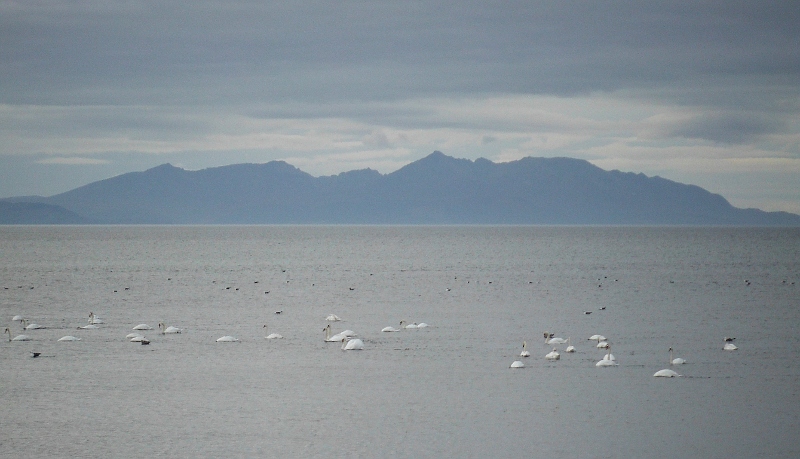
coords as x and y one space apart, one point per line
699 92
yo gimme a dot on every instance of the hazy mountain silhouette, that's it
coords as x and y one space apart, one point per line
437 189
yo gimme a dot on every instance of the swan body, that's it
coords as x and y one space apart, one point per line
548 339
94 319
676 361
272 335
665 374
597 338
570 348
422 325
31 326
404 324
138 339
517 364
390 329
602 345
227 339
69 338
18 337
332 338
168 330
524 352
729 347
17 318
354 344
142 327
608 360
131 335
332 318
89 327
553 355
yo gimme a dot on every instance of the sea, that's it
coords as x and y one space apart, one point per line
446 390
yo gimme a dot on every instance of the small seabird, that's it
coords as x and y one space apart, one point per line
279 312
587 312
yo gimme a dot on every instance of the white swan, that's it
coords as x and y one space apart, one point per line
227 339
677 361
666 374
332 318
168 330
69 338
422 325
390 329
138 339
89 327
597 338
352 344
602 345
17 318
332 338
524 352
729 347
553 355
517 364
18 337
133 335
31 326
272 335
570 348
94 319
548 339
404 324
608 360
142 327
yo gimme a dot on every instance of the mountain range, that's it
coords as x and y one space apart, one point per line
437 189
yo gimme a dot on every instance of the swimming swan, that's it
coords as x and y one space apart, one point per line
729 347
138 338
607 361
168 330
553 355
332 338
89 327
17 318
404 324
332 318
69 338
18 337
548 339
133 335
142 327
272 335
31 326
677 361
666 374
517 364
352 344
570 348
597 338
227 339
94 319
390 329
524 352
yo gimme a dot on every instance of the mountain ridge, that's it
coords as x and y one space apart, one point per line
437 189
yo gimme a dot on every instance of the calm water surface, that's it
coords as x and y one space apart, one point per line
444 391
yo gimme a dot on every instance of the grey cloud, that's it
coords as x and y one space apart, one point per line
733 128
230 52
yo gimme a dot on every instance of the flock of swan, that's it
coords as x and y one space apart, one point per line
346 337
608 360
349 340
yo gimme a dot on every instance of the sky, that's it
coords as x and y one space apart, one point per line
706 93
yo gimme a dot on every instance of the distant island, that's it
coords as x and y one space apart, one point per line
437 189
